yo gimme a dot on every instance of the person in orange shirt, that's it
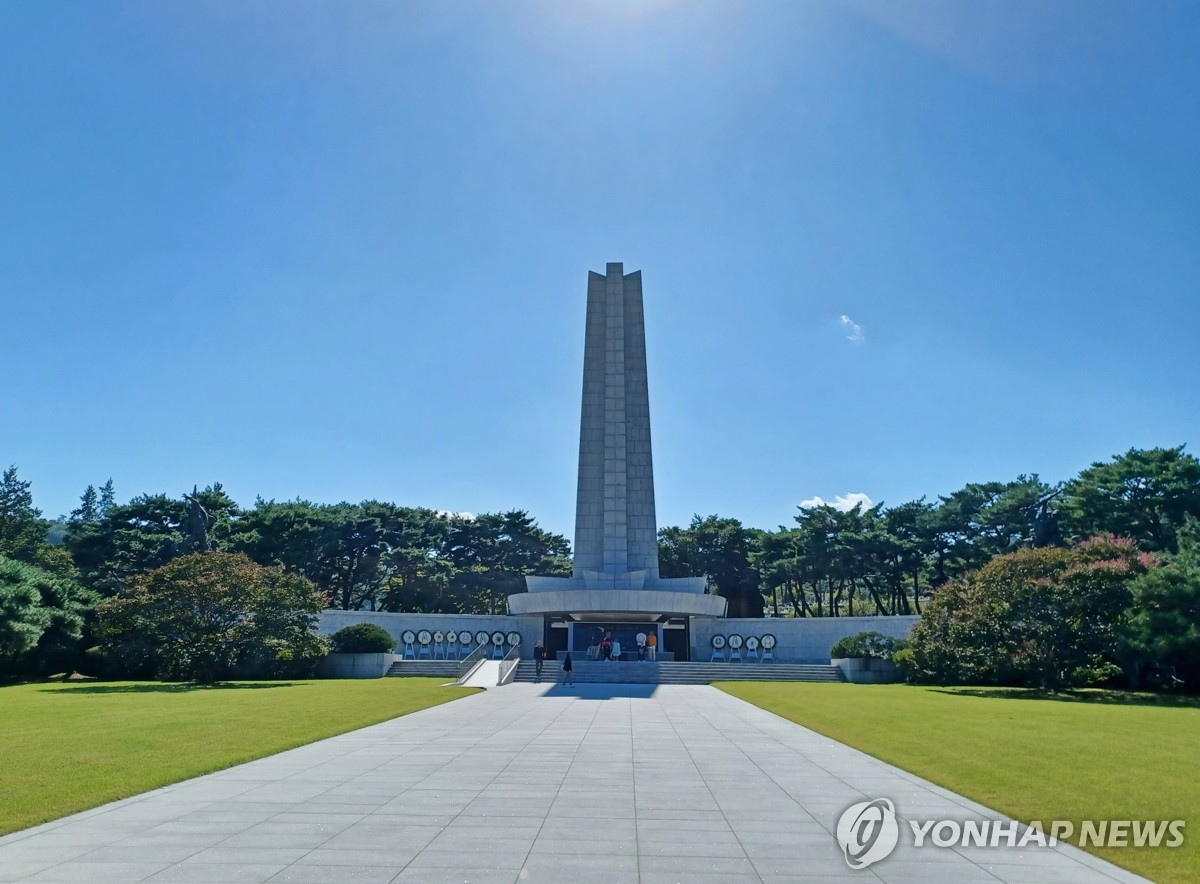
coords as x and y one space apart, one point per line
652 646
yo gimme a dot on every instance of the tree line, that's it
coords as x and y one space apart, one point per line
371 555
892 560
381 556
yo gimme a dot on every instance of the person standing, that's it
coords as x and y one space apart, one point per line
567 666
539 658
606 647
652 645
641 643
616 650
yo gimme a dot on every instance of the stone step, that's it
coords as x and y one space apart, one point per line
424 668
680 673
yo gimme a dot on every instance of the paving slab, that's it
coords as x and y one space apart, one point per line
531 783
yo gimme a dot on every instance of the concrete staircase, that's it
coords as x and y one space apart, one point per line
598 672
425 668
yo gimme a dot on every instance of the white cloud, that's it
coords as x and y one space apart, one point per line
843 502
856 331
450 514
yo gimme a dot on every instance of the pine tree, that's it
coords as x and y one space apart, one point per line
89 508
21 526
108 499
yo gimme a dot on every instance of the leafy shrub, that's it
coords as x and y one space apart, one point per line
903 658
1045 618
864 644
362 638
209 616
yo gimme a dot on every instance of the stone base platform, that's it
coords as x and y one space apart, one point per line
600 672
617 603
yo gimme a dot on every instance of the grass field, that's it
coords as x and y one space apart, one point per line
1093 755
68 747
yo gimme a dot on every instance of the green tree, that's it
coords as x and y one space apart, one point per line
22 529
909 526
1047 618
282 533
777 563
721 549
419 574
490 555
107 500
379 556
351 551
1164 623
23 618
50 603
132 539
89 507
986 519
69 605
342 548
210 616
1143 494
828 547
146 533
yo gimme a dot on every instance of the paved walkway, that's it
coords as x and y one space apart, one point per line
532 783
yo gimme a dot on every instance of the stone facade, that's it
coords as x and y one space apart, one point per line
798 640
530 628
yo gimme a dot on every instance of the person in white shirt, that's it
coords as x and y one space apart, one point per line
641 643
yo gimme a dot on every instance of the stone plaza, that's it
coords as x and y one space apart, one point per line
599 784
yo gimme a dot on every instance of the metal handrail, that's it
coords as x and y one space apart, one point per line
472 660
507 665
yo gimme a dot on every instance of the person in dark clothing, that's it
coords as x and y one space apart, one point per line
567 666
539 657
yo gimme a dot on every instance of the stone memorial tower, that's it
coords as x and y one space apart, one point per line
616 538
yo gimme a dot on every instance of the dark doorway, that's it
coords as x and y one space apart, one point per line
676 638
555 639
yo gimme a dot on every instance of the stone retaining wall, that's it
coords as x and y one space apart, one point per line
797 640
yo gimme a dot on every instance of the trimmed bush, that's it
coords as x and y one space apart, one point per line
864 644
362 638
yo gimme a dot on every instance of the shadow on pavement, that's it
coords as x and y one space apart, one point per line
601 691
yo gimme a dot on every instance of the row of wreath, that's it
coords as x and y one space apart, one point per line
751 642
424 637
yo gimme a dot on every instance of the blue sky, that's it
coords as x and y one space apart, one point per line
339 251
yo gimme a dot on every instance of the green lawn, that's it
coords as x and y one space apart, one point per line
1093 755
68 747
